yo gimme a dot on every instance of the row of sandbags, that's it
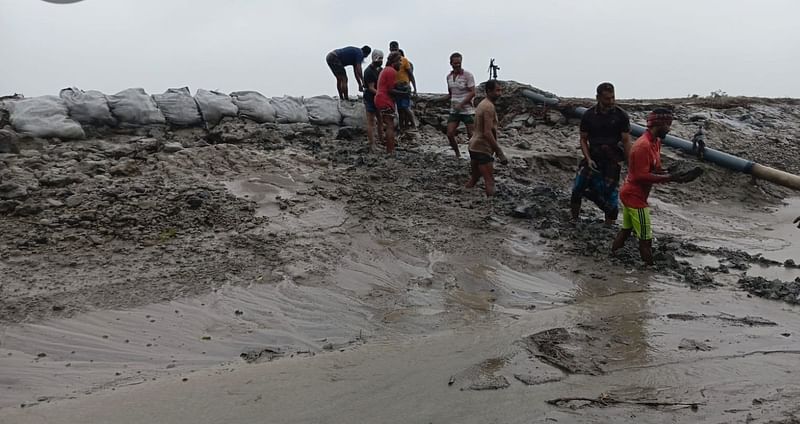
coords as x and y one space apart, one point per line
65 115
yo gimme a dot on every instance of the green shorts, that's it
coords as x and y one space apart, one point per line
467 119
637 220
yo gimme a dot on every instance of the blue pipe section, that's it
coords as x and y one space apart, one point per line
538 98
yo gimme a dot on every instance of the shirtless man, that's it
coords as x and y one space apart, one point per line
483 144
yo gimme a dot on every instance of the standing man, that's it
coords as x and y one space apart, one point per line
603 128
644 170
384 100
370 90
461 91
405 83
483 144
347 56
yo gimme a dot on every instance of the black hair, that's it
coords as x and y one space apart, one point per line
490 85
605 87
402 53
394 44
454 55
366 50
392 58
662 111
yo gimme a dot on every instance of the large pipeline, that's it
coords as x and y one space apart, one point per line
715 156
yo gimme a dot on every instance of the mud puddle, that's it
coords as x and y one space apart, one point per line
770 233
649 357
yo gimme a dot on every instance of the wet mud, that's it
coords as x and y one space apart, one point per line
287 263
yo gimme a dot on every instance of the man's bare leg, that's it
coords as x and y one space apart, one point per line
388 123
470 129
475 174
619 241
341 87
451 137
646 251
487 172
371 119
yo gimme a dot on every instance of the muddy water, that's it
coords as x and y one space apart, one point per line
769 232
428 336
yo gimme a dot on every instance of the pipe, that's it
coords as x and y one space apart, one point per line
538 98
715 156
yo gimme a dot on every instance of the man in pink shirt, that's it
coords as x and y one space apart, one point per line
384 100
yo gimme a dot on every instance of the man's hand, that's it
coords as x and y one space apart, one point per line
501 157
593 165
361 88
797 221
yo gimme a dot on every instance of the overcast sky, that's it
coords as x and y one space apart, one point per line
646 48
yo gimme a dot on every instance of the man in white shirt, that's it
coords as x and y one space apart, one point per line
461 91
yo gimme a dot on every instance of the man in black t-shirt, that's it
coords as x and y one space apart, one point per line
370 89
605 142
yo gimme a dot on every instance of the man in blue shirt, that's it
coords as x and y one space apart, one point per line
347 56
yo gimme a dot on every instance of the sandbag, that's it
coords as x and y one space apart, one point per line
353 113
254 106
289 110
214 106
45 116
134 108
87 107
323 110
179 107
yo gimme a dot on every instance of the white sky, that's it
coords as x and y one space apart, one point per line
648 49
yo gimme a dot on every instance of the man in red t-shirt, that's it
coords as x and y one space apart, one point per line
644 170
384 100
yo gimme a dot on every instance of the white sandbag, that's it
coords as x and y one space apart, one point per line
323 110
45 116
87 107
254 106
134 108
214 106
289 110
179 107
353 113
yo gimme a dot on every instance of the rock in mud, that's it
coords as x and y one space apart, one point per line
8 142
263 355
564 350
172 147
493 382
787 291
689 344
10 190
535 380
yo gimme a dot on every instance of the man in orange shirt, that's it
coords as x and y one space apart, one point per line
405 83
644 170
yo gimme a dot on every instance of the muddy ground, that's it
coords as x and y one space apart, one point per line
294 276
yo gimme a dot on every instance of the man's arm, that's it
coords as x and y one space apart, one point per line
359 76
490 134
585 149
467 100
639 169
372 87
411 77
626 144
